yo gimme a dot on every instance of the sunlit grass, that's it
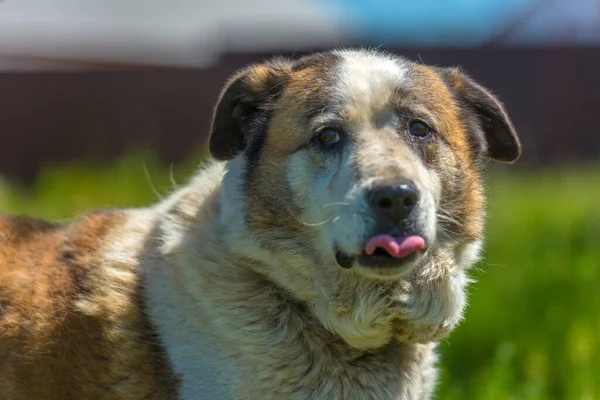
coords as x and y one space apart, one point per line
533 325
532 328
64 191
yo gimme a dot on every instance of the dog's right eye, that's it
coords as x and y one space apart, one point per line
328 137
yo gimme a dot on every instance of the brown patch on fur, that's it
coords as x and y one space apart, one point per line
257 78
432 90
456 79
463 190
304 95
69 330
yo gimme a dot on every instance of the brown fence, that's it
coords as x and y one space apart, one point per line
552 94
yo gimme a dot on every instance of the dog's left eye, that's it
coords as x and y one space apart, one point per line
329 137
419 129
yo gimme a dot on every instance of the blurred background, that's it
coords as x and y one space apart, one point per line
108 103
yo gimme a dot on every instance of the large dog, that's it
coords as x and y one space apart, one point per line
320 256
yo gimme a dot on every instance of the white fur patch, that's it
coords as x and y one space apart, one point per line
363 77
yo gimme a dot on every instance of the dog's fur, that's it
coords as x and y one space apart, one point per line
230 288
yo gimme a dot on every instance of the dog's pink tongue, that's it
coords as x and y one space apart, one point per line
396 247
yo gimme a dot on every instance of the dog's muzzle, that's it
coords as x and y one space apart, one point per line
393 242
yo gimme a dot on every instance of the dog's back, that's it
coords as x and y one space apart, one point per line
71 326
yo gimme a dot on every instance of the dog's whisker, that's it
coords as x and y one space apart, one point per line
450 222
150 183
172 177
446 218
316 223
339 203
448 231
453 222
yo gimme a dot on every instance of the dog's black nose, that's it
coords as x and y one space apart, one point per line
394 201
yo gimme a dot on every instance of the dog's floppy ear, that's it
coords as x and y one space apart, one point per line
502 141
248 93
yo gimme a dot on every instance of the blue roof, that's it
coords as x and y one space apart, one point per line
462 22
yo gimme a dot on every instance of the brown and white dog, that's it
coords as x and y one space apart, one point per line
321 257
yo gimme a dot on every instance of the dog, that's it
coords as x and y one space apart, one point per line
320 254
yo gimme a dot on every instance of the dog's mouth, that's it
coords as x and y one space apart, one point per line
387 245
385 251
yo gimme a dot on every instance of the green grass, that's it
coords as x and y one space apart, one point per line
64 191
532 328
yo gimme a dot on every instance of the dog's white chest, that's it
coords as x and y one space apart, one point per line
202 372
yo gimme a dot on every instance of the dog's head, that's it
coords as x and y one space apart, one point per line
356 166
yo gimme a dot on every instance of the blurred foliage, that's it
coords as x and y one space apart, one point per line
532 328
63 191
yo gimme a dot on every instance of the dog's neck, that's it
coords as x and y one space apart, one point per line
218 315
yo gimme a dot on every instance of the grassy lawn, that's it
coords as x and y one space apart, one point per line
532 328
